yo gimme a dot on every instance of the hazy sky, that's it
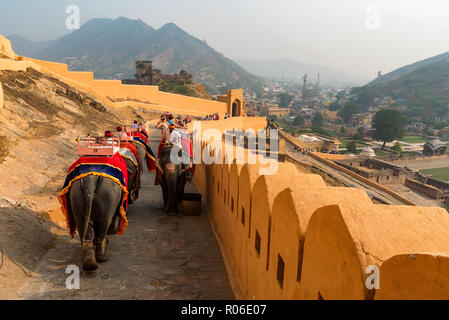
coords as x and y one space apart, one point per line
356 36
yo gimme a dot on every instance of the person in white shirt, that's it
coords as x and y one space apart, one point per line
135 125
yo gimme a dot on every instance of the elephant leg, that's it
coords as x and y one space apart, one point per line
89 262
107 200
181 186
164 192
100 251
101 229
113 226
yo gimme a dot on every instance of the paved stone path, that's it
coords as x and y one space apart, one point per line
159 257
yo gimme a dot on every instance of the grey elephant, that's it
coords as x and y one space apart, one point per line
172 179
94 201
133 171
133 178
142 159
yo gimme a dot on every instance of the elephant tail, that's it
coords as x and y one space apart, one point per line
89 188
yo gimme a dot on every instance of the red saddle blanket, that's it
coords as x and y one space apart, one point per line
131 147
113 168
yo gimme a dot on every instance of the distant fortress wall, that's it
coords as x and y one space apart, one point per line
289 236
115 91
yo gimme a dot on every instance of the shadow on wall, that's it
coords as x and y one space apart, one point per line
288 236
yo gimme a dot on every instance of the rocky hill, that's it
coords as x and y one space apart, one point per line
424 86
111 47
398 73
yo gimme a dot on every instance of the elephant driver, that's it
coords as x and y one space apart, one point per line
179 138
173 137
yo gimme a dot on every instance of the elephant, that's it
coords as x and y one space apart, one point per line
141 152
133 171
173 179
132 180
94 201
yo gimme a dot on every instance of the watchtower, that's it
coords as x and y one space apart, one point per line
144 72
235 104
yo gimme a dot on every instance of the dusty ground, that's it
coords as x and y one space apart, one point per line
157 258
426 164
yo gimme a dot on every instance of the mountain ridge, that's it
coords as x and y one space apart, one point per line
110 48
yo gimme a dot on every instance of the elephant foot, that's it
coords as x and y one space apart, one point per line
172 213
112 229
89 262
100 251
130 200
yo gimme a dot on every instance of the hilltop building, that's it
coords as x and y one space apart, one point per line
148 76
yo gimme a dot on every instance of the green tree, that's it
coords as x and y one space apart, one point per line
348 110
284 100
299 120
340 94
334 106
317 120
388 125
357 136
351 146
361 132
365 95
397 147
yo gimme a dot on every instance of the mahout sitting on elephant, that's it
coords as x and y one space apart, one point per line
174 163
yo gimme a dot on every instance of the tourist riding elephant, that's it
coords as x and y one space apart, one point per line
94 201
173 177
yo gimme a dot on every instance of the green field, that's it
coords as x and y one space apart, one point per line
344 142
438 173
413 139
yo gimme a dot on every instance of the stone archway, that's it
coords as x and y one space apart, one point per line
236 107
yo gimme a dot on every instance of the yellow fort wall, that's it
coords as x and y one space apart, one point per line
289 236
122 95
113 93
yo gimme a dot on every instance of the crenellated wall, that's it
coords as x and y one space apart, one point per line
289 236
